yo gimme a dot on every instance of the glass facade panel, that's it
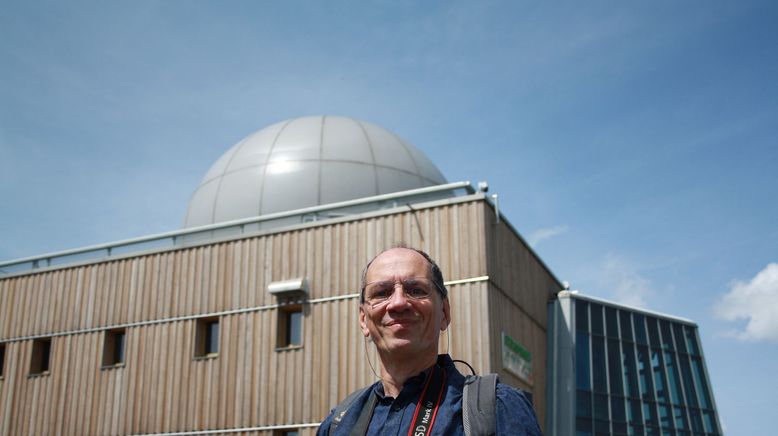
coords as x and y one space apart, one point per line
618 409
667 337
691 341
598 365
583 404
664 415
602 427
583 427
679 415
696 420
596 314
709 421
611 324
688 381
640 329
634 414
614 367
699 380
660 384
649 414
680 343
674 381
644 374
630 370
582 361
626 326
653 332
601 407
582 316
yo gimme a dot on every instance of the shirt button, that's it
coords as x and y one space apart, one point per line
397 408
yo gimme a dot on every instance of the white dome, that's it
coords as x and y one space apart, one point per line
307 162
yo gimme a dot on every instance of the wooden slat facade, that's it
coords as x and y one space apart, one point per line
158 298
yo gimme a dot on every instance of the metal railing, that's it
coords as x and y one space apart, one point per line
194 235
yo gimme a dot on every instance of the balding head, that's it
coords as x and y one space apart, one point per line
435 274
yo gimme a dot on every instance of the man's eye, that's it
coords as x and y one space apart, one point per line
418 292
380 293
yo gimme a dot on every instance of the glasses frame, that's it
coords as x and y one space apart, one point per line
405 284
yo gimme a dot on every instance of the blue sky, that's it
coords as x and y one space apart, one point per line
633 143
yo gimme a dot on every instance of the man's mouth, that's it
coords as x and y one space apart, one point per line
400 322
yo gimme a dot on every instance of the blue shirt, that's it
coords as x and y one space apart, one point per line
392 416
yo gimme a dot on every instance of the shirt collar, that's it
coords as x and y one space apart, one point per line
415 383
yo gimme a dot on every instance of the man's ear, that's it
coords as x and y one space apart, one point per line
363 322
446 315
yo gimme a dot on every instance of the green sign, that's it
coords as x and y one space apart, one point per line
516 358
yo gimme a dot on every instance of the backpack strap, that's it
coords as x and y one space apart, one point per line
340 410
479 405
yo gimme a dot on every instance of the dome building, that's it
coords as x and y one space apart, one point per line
305 162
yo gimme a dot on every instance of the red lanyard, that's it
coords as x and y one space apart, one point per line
429 402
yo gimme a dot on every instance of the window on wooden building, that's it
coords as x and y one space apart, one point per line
113 347
207 338
290 326
2 360
41 356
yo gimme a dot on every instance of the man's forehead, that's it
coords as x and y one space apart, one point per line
400 261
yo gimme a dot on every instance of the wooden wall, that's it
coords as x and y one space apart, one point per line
157 298
520 288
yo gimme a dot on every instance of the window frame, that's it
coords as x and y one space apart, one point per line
204 338
110 358
286 315
40 357
2 361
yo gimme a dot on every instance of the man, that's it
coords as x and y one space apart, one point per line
403 309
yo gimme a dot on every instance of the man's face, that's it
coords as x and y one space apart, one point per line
401 325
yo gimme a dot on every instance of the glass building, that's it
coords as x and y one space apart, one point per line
619 370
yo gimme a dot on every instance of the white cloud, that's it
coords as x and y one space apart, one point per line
625 284
756 301
539 235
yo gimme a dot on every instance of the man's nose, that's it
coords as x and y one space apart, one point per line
398 300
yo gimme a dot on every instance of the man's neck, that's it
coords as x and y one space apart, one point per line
395 372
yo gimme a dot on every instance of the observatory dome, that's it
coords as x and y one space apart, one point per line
307 162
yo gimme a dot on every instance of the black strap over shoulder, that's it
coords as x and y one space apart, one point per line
478 405
342 408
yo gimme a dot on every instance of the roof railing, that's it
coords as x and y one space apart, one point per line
193 235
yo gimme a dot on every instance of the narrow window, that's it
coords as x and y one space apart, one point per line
41 354
290 326
113 347
2 360
207 338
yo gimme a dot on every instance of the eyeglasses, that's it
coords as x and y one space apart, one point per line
415 288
